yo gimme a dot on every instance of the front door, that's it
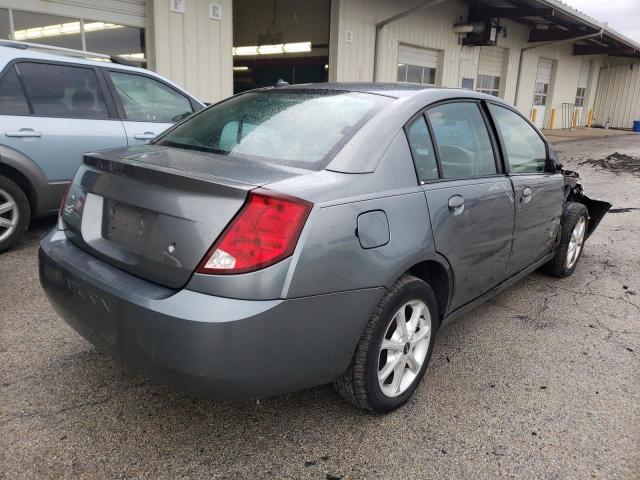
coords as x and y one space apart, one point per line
148 106
538 191
471 205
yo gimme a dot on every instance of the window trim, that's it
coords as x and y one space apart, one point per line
111 110
547 164
195 106
406 128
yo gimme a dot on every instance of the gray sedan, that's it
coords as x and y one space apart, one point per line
299 235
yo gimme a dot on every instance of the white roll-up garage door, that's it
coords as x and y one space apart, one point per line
583 79
541 90
423 57
543 74
491 61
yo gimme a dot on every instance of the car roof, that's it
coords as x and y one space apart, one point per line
7 54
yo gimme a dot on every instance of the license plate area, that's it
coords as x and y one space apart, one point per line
127 225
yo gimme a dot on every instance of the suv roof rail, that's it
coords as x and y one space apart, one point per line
68 51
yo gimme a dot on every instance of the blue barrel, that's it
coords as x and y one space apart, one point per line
636 126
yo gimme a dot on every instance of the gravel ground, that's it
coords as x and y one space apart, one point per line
543 381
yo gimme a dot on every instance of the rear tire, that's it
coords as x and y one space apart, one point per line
381 377
574 224
15 213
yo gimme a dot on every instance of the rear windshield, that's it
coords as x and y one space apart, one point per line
298 128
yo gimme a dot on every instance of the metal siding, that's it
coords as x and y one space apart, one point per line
192 50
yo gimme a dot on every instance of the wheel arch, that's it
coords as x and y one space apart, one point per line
26 174
437 273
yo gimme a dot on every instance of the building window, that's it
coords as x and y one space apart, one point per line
489 84
540 93
580 96
78 34
416 74
467 83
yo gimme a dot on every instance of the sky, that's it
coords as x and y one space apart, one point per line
621 15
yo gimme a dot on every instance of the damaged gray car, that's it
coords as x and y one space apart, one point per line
299 235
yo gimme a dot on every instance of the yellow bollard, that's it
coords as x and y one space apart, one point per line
575 118
589 118
533 115
552 119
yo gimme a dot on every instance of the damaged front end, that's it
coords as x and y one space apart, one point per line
574 192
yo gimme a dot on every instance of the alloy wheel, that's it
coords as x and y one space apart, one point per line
404 348
8 215
575 242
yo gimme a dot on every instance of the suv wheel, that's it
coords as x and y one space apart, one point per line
394 349
574 229
15 213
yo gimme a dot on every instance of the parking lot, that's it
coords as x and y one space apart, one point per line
543 381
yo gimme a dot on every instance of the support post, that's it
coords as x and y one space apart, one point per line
552 118
589 118
534 112
574 123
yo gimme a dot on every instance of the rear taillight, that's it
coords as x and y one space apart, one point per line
264 231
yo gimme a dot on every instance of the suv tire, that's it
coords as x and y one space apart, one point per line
366 383
15 213
574 224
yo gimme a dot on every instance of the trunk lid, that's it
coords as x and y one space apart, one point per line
155 211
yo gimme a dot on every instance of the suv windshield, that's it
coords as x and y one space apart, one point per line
298 128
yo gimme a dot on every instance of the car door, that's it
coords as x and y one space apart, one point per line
538 191
469 197
147 105
62 113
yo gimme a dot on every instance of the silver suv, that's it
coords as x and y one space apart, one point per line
56 106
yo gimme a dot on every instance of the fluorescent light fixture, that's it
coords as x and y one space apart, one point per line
240 69
134 56
71 28
279 48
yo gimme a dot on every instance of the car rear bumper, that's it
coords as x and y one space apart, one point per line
220 348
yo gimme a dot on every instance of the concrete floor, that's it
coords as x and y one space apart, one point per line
543 381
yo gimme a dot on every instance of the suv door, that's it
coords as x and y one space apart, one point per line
469 198
538 191
147 106
58 113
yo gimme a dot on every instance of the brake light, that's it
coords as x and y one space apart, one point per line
265 231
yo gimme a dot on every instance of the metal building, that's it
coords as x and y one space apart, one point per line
538 54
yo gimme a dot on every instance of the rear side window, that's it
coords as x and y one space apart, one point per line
299 128
525 150
463 141
147 100
422 150
12 99
63 91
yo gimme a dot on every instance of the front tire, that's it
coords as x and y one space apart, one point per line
394 349
575 222
15 213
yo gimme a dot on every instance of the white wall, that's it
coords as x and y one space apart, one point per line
431 27
190 49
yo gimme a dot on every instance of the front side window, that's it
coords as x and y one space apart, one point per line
299 128
63 91
489 84
525 150
463 141
422 150
147 100
12 99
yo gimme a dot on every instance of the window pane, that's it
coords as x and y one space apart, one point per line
112 39
526 152
47 29
467 83
147 100
463 140
12 100
429 76
61 91
5 31
422 150
294 128
414 74
402 72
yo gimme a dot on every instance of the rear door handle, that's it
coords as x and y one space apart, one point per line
145 136
526 194
24 133
456 203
